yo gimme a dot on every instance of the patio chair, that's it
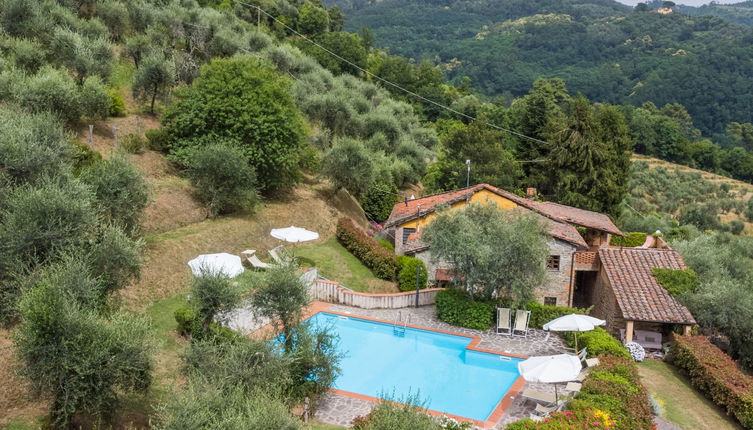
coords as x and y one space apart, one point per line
539 396
522 317
542 411
573 387
583 354
278 254
504 321
258 264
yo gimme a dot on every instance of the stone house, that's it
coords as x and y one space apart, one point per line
584 270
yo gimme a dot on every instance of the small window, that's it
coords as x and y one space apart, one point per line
550 301
553 262
407 232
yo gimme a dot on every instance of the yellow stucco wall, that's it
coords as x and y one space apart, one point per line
482 196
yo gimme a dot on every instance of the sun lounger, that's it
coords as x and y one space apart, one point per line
504 321
544 411
582 355
278 254
522 318
538 396
258 264
573 387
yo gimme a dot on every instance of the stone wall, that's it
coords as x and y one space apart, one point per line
605 305
559 282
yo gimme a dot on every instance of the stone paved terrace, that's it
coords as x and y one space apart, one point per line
341 410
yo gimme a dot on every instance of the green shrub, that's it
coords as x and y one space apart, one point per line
83 156
614 387
456 308
716 374
677 282
222 178
158 139
629 240
568 420
542 314
379 260
133 143
385 243
599 341
186 318
117 104
406 276
379 200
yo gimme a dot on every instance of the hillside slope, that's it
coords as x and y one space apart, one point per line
602 49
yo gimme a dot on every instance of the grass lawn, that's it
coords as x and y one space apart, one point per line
683 405
336 263
316 425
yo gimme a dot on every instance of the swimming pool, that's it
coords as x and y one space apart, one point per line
436 366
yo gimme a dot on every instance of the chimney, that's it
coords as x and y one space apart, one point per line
530 192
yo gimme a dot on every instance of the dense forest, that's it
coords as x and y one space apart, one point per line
604 50
736 13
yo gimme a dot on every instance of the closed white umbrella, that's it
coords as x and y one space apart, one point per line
550 369
574 322
294 234
228 264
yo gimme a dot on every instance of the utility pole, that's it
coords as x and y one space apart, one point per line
468 175
89 139
418 284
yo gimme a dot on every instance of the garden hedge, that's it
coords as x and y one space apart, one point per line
716 374
456 308
406 277
629 240
567 420
676 282
373 255
542 314
600 342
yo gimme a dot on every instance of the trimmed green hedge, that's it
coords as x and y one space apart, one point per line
629 240
373 255
716 374
542 314
456 308
676 282
406 276
614 387
600 342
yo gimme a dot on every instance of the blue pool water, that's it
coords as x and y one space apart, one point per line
437 366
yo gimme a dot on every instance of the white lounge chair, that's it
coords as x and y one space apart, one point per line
504 321
258 264
278 254
539 396
522 318
573 387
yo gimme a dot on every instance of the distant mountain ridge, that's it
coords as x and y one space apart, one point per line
736 13
606 50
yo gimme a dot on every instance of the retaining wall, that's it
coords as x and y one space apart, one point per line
333 292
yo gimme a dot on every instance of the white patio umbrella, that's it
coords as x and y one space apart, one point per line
574 322
550 369
294 234
225 263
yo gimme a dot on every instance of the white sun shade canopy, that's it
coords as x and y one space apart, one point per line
294 234
573 322
550 368
224 263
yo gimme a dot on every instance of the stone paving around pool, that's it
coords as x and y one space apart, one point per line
341 410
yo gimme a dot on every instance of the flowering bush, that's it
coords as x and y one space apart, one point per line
568 420
636 351
717 374
374 256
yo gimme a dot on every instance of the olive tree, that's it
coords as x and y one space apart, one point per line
79 360
350 165
494 252
119 189
212 293
281 296
222 178
154 78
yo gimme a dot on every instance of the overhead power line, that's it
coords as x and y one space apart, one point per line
399 87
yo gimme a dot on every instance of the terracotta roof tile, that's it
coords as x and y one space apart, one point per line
405 211
639 295
577 216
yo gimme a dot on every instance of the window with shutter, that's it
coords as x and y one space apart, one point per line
407 232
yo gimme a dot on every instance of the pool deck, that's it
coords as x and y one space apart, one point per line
340 409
